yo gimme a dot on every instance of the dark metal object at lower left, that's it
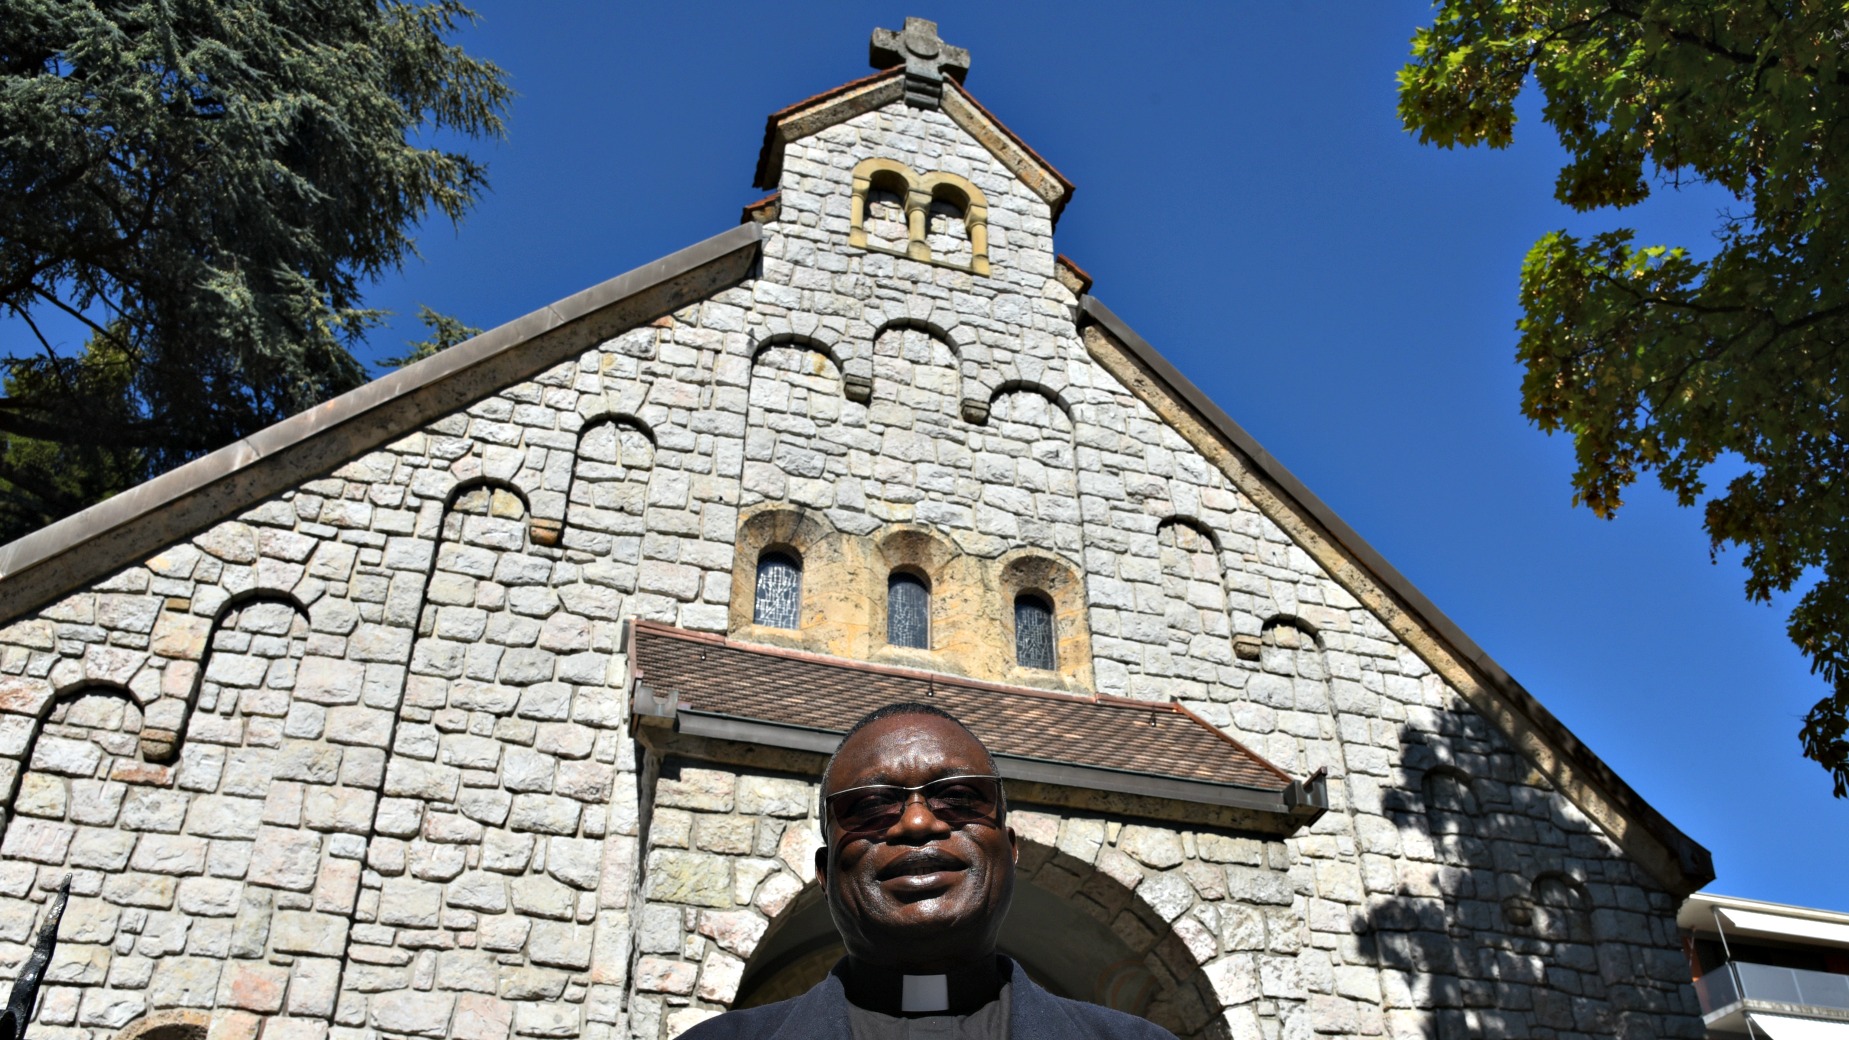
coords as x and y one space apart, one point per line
25 994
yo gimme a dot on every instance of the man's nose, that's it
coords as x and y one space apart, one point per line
917 816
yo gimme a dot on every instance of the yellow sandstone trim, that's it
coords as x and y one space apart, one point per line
919 192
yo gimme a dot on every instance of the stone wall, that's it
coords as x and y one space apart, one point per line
355 761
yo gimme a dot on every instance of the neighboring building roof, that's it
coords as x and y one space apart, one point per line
1709 913
1761 983
818 113
806 701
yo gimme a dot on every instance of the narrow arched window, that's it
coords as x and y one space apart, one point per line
946 231
887 224
1033 631
908 611
780 591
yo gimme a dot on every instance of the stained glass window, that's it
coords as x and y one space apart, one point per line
780 591
908 611
1033 631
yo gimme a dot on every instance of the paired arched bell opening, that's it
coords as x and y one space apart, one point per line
936 217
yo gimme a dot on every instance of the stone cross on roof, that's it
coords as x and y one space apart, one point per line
926 57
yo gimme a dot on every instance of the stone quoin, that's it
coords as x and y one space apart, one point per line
490 700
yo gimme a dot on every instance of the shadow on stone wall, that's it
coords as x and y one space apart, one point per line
1511 915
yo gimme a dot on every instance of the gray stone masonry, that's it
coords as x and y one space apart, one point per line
354 762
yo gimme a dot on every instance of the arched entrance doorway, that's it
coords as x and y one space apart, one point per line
1062 948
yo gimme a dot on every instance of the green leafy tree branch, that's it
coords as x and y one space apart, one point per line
1655 360
445 332
206 186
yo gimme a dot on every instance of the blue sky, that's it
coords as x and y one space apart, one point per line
1247 201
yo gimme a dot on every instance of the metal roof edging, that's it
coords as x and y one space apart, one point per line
46 563
694 723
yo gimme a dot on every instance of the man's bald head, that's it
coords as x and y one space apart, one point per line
887 712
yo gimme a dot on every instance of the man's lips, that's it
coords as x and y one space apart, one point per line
920 868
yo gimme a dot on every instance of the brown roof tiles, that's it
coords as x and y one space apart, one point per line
711 674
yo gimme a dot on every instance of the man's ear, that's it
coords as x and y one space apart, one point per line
1014 845
821 863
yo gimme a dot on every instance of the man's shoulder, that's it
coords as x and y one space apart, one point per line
1055 1016
745 1022
1101 1021
1084 1019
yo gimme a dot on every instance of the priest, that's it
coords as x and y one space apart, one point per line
918 868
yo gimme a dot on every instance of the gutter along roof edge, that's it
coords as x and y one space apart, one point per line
717 725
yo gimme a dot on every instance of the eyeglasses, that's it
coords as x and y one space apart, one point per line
955 800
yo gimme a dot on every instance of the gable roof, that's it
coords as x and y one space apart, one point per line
829 108
713 686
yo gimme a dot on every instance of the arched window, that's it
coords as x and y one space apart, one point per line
1561 893
888 224
1450 803
1562 908
908 611
946 231
779 599
1033 631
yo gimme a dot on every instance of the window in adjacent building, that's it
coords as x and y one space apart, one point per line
1033 631
908 611
780 591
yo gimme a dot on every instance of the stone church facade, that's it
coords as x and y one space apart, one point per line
490 700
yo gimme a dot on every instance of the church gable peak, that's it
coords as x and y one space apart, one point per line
922 72
925 57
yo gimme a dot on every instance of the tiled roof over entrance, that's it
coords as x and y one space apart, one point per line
711 675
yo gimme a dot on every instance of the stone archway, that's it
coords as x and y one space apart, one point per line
1063 950
1078 931
182 1024
795 953
1110 928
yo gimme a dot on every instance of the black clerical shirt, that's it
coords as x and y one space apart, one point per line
1031 1013
988 1022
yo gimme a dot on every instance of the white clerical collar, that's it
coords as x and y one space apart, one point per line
924 993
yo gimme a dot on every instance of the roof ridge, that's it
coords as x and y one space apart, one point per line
1024 146
769 157
833 92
